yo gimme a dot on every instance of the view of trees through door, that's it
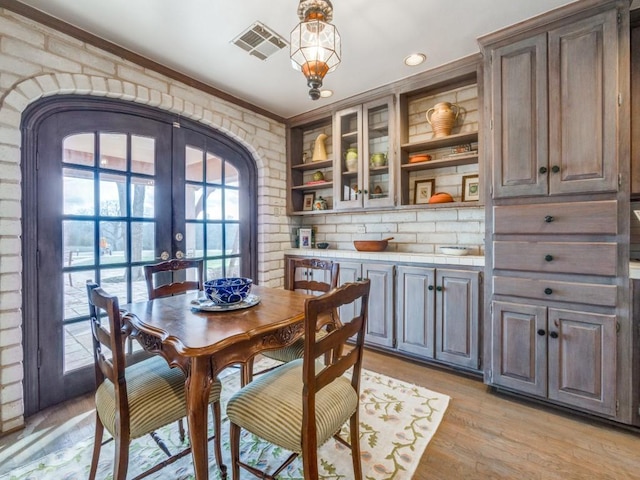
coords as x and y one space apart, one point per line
114 191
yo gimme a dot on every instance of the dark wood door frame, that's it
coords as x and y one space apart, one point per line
33 117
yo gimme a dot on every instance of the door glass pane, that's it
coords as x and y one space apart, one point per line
78 240
75 293
231 175
79 149
138 285
194 240
78 345
77 192
143 154
113 238
214 203
193 202
232 237
113 151
213 269
114 281
193 164
231 207
378 138
233 267
214 240
142 197
113 201
214 169
143 241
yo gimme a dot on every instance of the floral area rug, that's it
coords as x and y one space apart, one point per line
397 421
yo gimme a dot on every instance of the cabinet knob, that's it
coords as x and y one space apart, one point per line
541 332
553 334
548 219
430 287
555 169
439 288
548 258
543 170
548 291
366 191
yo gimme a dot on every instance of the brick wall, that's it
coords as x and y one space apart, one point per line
36 61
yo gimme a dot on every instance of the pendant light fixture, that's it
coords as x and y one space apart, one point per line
315 43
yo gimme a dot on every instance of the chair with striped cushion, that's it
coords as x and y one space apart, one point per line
304 403
133 401
309 275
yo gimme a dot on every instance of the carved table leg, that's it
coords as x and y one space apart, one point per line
198 386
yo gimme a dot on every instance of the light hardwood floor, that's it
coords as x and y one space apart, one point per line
483 435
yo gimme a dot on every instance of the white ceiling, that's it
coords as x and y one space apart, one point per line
194 37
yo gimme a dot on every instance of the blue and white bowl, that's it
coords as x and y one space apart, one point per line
227 291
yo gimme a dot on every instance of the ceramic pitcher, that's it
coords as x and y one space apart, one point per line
442 117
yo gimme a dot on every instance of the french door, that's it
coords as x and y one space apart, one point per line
112 191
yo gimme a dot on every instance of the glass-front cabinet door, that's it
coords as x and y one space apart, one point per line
364 155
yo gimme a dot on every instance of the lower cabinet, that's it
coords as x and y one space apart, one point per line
381 299
564 355
438 314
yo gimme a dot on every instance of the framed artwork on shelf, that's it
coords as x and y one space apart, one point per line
470 188
422 191
307 202
305 238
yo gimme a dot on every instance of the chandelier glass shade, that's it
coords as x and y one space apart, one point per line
315 43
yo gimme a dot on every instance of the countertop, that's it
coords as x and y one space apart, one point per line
396 257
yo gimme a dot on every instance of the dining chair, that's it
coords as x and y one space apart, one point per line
303 275
152 273
136 400
304 403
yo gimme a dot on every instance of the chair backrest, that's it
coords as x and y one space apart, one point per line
312 266
173 288
109 365
332 346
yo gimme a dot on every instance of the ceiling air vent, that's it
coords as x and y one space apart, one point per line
260 41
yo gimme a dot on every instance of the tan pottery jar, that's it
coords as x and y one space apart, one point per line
442 117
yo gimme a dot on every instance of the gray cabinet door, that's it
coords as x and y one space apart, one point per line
349 272
582 360
583 105
416 311
519 139
380 322
519 344
457 310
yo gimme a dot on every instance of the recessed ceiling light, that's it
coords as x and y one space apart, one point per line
415 59
326 93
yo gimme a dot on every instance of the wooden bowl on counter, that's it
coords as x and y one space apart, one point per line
371 245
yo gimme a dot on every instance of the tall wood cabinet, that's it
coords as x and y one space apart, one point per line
557 296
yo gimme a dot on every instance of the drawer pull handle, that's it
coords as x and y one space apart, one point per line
555 169
430 287
439 288
548 258
543 170
548 219
541 332
548 291
553 334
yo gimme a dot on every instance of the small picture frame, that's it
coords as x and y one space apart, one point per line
305 238
307 201
470 188
422 191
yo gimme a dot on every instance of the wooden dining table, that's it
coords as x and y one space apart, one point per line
202 344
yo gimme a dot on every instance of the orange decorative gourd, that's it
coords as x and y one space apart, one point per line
441 197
